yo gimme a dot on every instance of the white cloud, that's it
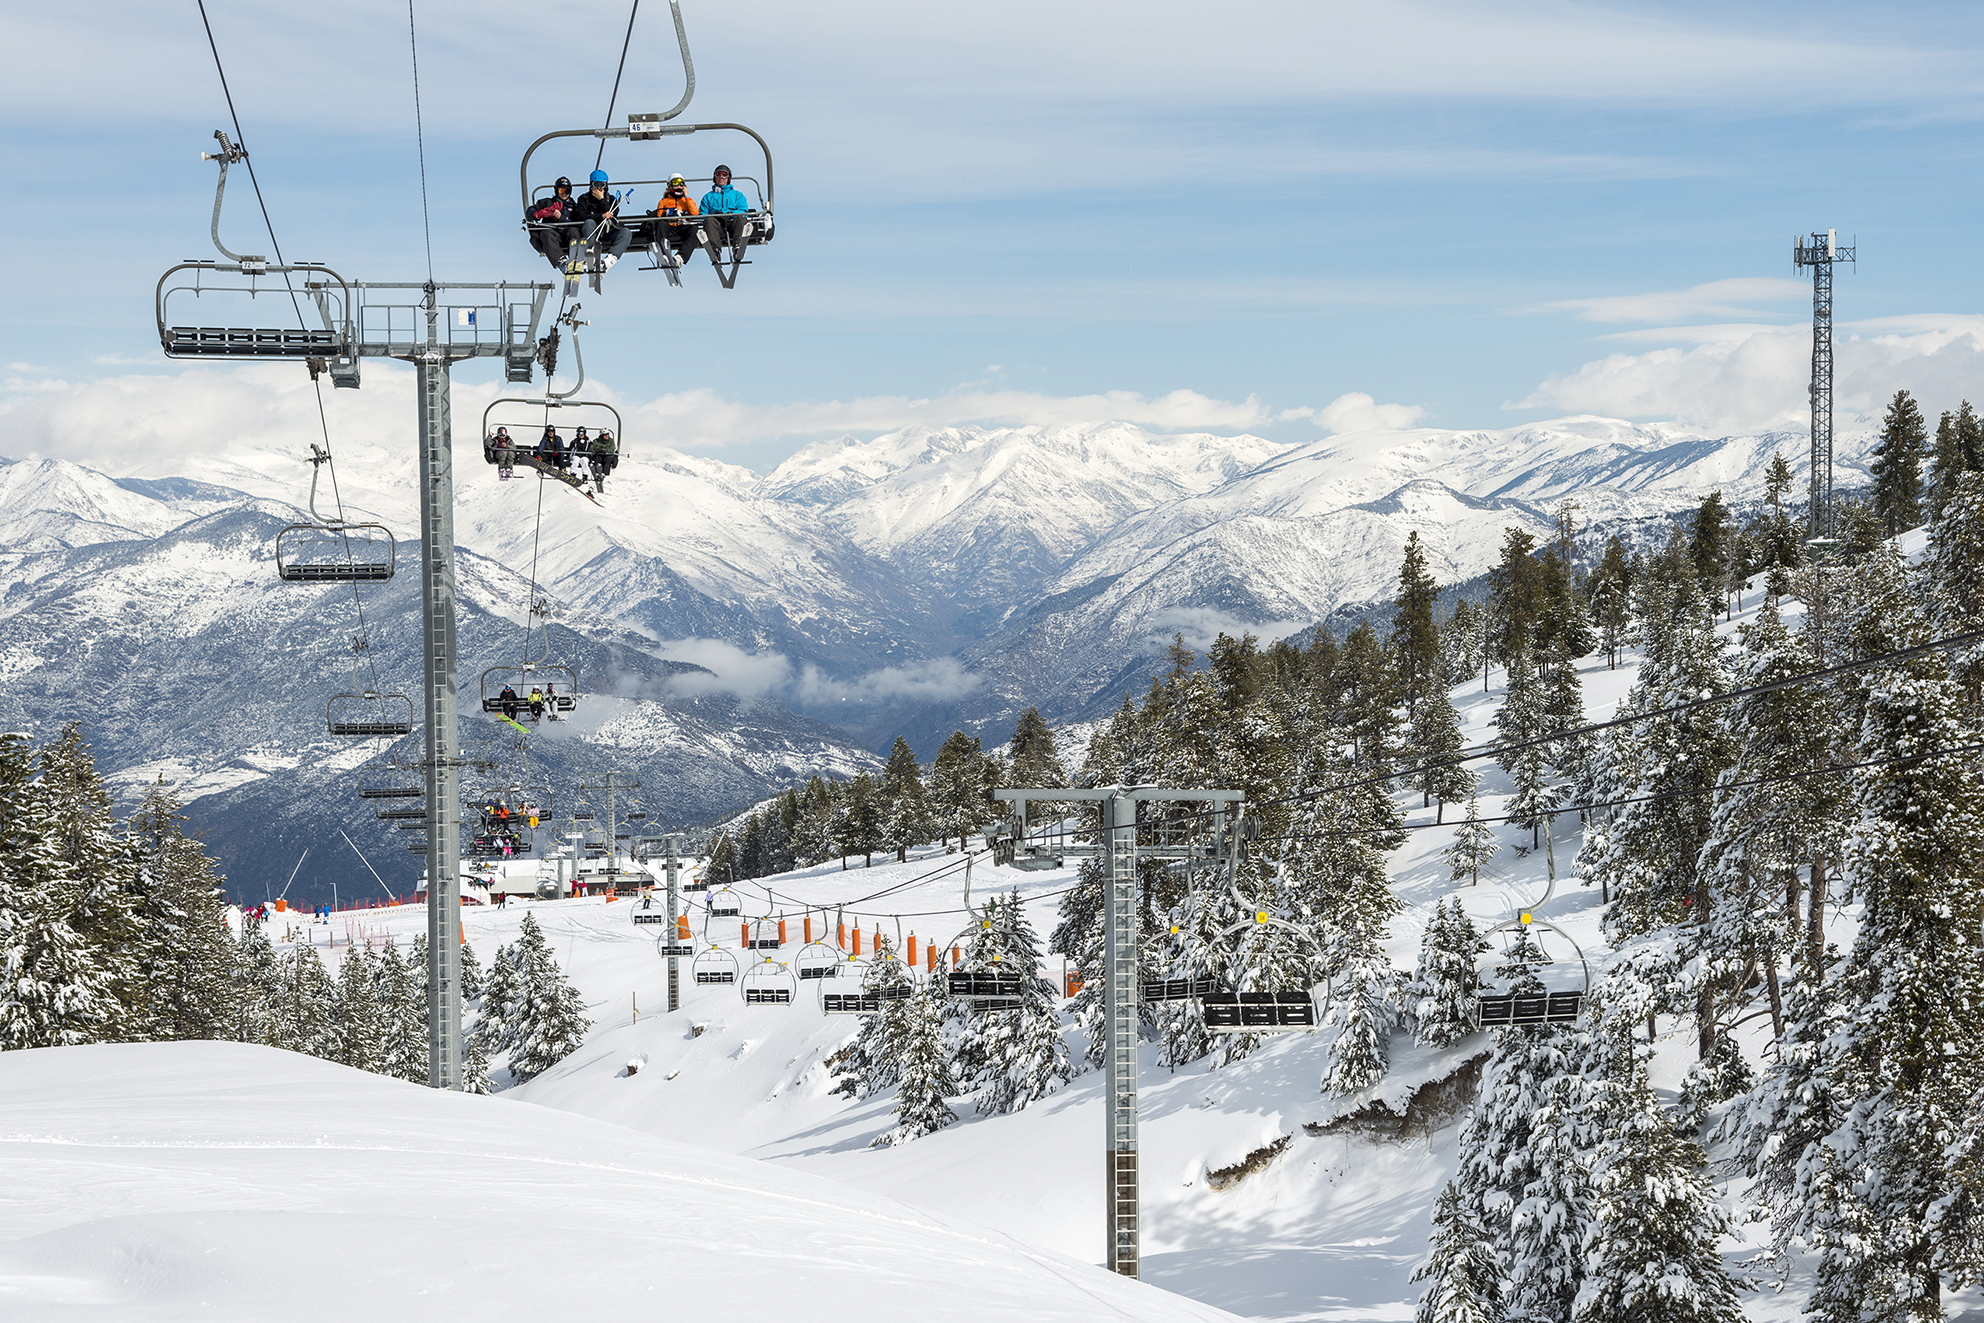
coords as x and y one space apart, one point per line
1759 380
1201 625
1717 298
936 681
1357 412
731 669
153 422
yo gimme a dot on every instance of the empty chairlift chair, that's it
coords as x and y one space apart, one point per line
816 960
767 983
335 553
383 781
985 989
369 714
714 965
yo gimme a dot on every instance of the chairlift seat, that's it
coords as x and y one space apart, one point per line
1179 989
982 983
403 815
1258 1012
866 1002
1538 1008
251 342
325 553
715 965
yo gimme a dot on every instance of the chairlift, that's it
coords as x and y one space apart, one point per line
385 781
342 553
764 935
1539 1006
369 714
1225 1009
714 965
817 960
522 438
559 685
767 983
663 237
402 815
725 904
985 989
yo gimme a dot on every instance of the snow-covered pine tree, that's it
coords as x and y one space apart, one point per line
1954 569
871 1062
921 1105
1464 1281
957 787
1897 464
906 819
257 993
1415 641
1521 1162
475 1066
1025 1056
1436 747
499 999
549 1022
361 1037
471 974
1442 995
308 1001
1650 1248
187 949
97 862
1876 1196
1522 721
1474 845
1366 1004
402 994
53 992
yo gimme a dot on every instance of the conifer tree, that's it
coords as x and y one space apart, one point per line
921 1105
53 993
907 819
256 996
1366 1005
1442 995
1415 634
722 864
548 1022
1079 936
102 877
872 1062
1523 720
309 1004
957 787
499 999
475 1066
1025 1057
471 975
401 991
1876 1196
1035 761
1436 746
1955 573
862 827
1474 845
1650 1249
1367 689
187 949
1946 463
361 1038
1897 464
1464 1281
1610 587
1516 595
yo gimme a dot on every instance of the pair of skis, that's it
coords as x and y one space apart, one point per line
584 256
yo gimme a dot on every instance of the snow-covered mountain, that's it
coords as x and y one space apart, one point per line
924 581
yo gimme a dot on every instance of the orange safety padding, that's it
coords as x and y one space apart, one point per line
857 941
681 927
955 957
840 935
912 950
932 949
809 929
745 940
878 937
781 932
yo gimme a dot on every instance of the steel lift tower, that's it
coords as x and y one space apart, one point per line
1820 253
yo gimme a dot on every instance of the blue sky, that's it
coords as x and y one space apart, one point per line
1228 217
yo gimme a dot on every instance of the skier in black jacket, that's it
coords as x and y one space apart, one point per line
596 206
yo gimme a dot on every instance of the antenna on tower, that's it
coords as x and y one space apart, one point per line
1821 252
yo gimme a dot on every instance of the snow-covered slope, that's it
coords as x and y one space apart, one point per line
169 1180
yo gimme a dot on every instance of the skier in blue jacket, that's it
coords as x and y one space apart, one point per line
724 211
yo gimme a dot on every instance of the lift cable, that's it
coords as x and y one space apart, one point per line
420 141
275 245
616 82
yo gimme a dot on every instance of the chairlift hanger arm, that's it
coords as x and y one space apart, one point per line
227 155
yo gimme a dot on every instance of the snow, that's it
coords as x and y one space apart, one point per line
156 1181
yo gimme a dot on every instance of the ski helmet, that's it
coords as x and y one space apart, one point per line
599 177
563 182
720 170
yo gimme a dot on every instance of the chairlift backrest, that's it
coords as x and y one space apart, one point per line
369 714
